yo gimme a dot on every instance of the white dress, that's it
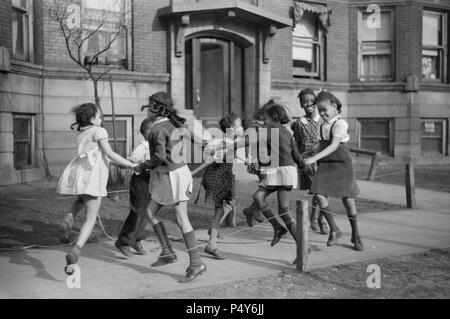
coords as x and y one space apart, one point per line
87 174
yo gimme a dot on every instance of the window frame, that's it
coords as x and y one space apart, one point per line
444 122
390 136
372 78
444 47
32 142
320 53
128 129
28 55
127 40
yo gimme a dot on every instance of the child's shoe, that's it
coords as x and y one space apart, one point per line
333 238
194 272
278 233
137 246
358 245
214 252
165 259
71 259
124 249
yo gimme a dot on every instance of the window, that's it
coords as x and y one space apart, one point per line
376 134
434 136
434 46
123 126
23 141
107 22
21 29
308 47
376 54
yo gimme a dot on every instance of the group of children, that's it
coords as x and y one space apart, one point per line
309 153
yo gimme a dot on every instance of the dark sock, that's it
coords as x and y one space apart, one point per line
191 245
267 212
330 219
290 223
161 233
354 224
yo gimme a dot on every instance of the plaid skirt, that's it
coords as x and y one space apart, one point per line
218 183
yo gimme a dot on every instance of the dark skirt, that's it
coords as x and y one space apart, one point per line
335 176
218 184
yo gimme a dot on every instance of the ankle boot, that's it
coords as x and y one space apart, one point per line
278 229
167 255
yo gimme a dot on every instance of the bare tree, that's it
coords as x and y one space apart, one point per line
79 28
104 19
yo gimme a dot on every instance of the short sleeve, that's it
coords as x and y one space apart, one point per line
138 155
100 134
340 129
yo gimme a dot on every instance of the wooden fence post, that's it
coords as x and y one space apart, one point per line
302 235
410 186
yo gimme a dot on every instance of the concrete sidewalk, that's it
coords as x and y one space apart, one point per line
105 273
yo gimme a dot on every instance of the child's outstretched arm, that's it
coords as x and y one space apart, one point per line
327 151
106 148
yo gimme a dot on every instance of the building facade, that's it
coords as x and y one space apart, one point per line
387 61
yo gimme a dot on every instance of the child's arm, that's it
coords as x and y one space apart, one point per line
327 151
106 148
158 140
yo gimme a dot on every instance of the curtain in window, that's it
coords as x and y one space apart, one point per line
322 11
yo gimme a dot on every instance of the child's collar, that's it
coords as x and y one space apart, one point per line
164 119
316 119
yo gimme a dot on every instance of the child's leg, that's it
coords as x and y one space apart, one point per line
167 255
283 210
323 227
66 225
92 209
214 226
335 232
196 266
315 213
260 199
350 207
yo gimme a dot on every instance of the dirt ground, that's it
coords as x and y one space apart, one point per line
30 212
421 275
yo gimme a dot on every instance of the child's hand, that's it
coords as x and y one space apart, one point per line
310 161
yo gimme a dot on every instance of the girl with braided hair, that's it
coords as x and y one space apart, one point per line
170 183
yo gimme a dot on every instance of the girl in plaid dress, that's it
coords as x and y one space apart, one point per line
306 134
218 182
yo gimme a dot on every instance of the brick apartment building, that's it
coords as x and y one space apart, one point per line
390 69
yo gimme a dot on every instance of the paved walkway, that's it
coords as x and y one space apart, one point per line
38 273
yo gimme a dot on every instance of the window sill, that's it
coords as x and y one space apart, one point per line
434 86
77 73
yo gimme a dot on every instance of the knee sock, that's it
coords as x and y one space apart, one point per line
329 218
354 224
290 223
161 233
191 245
213 232
267 212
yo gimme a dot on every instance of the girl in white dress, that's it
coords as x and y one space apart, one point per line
87 175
